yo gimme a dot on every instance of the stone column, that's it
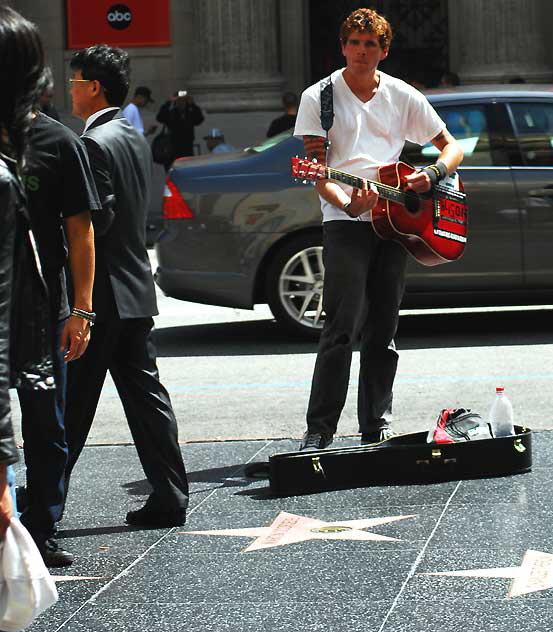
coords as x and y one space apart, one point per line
295 44
236 55
495 41
50 18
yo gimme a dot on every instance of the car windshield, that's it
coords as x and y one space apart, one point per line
271 142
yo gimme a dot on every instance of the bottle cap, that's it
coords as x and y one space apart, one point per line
499 389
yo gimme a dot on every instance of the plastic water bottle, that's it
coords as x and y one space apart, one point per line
501 415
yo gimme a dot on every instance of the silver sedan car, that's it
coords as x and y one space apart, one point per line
238 230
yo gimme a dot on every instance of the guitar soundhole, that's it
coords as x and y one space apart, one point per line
412 201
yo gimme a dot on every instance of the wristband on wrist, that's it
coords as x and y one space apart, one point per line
436 171
345 208
82 313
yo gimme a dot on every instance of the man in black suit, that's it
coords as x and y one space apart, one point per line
124 296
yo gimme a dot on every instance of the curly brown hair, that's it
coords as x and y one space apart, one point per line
367 21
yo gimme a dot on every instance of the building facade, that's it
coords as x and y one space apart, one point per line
236 57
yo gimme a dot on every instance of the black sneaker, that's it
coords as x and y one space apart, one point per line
315 441
378 436
54 556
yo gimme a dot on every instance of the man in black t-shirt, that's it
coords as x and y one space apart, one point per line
288 119
61 194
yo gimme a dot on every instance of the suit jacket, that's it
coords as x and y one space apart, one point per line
121 163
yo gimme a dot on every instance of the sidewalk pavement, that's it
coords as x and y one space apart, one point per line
283 572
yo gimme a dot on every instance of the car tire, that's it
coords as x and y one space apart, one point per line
295 285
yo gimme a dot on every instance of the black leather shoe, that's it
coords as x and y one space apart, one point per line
54 556
378 436
147 517
315 441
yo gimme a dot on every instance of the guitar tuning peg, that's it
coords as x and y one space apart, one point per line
304 181
314 159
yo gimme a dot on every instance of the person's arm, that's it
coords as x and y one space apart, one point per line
6 503
193 112
80 239
360 201
101 174
450 157
8 450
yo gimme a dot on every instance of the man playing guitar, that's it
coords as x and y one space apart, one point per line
364 275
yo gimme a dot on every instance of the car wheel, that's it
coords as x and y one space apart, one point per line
295 285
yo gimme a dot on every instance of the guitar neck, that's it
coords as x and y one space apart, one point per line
384 191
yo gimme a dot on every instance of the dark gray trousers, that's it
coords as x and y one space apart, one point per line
126 348
363 287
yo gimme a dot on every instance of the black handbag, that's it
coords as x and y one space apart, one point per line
162 147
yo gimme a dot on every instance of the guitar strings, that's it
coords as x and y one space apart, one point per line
386 187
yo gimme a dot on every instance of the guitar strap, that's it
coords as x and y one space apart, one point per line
327 108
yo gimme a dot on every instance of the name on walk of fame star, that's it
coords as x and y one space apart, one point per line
533 575
289 528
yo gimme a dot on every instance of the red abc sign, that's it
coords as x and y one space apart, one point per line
126 24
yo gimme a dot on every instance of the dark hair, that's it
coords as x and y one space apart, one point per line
109 66
289 99
367 21
46 81
21 67
450 78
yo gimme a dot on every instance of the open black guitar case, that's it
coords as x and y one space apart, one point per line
400 460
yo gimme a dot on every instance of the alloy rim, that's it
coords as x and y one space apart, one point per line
301 287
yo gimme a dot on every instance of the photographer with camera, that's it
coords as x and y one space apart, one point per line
180 114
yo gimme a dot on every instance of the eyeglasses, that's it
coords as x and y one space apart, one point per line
79 80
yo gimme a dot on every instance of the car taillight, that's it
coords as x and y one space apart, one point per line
174 205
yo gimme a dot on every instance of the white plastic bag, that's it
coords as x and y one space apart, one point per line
26 588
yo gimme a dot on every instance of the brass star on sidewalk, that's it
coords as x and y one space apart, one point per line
534 574
289 528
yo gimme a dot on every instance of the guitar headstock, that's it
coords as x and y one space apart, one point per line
307 169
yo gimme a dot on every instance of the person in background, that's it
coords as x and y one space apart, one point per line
215 142
124 296
181 115
142 96
47 94
21 67
288 119
418 82
449 79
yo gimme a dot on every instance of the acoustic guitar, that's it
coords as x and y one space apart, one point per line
432 226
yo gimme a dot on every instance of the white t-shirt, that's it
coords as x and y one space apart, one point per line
365 136
132 114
